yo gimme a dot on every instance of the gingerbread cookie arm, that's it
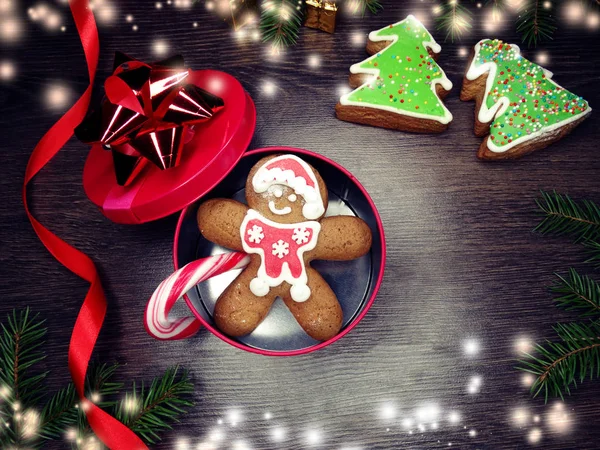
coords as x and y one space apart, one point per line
342 238
219 221
238 311
321 315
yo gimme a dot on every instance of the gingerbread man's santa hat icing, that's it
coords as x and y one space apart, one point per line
291 171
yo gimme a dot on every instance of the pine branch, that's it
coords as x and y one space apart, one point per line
61 411
372 5
565 216
151 410
535 22
454 18
594 253
21 338
280 22
560 366
578 292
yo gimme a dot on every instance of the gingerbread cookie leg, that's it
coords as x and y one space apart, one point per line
321 315
238 311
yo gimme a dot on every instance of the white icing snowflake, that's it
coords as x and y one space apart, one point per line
300 235
281 248
255 234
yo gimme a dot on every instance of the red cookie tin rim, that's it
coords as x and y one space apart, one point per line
348 327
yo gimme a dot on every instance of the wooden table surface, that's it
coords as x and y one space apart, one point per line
464 271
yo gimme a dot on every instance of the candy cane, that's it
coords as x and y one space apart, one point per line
157 321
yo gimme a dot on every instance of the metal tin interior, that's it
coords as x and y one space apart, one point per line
354 282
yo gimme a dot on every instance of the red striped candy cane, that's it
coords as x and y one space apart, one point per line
157 321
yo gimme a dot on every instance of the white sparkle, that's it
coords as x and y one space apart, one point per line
105 12
220 421
558 419
53 21
574 12
422 17
387 411
436 10
6 6
407 423
269 88
278 434
358 38
474 385
182 444
514 4
206 446
492 21
534 436
463 52
314 61
536 419
472 433
8 71
130 404
313 437
57 96
71 434
240 445
541 58
158 5
234 417
129 18
63 28
343 90
593 21
267 416
428 413
520 417
134 28
216 435
454 417
527 379
195 24
547 4
95 397
471 347
209 5
524 344
11 29
160 47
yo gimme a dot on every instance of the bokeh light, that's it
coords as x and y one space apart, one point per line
8 71
57 96
558 419
11 29
574 12
160 47
471 347
534 436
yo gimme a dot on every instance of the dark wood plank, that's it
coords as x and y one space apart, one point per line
462 262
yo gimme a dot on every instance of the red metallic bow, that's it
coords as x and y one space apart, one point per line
148 114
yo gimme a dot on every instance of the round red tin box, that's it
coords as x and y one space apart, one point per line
355 283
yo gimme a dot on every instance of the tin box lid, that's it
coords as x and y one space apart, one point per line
212 153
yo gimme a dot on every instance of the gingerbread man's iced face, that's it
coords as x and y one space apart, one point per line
285 189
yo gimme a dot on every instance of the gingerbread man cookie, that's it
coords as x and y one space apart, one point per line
283 229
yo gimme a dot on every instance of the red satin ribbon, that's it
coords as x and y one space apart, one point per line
89 321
